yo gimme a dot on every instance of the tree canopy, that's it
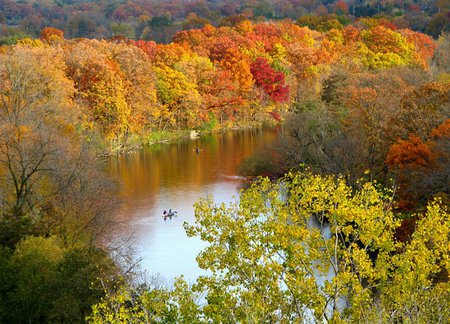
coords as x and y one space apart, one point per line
306 248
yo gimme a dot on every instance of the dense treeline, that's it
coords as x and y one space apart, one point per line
129 91
159 20
367 100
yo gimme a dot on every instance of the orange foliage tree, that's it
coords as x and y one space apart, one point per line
49 33
410 153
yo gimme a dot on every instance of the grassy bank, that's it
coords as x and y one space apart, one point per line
162 137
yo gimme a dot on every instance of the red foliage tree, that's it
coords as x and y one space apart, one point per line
149 48
271 81
341 7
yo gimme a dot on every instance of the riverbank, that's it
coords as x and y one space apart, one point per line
149 138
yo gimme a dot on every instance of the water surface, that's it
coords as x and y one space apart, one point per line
176 176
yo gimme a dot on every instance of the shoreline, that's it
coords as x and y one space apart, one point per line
139 142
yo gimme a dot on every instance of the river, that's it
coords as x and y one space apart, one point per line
175 176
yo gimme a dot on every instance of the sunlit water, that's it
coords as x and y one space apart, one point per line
174 176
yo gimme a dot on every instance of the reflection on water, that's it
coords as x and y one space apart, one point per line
175 176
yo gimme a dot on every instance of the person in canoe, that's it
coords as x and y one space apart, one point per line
169 213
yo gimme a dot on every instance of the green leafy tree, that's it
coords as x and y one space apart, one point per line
43 281
34 263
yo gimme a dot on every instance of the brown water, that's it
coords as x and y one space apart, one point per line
175 176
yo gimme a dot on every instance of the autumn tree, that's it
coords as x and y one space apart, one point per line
139 86
424 108
306 248
47 172
221 96
50 34
421 167
55 200
269 80
418 287
33 94
317 136
341 7
424 46
342 267
194 22
102 89
148 303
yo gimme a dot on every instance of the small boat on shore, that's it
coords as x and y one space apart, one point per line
194 134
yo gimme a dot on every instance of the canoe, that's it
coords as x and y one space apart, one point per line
170 214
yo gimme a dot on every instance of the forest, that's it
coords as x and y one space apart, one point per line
365 107
159 20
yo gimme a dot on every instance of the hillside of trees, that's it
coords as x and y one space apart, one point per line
366 112
160 20
124 91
